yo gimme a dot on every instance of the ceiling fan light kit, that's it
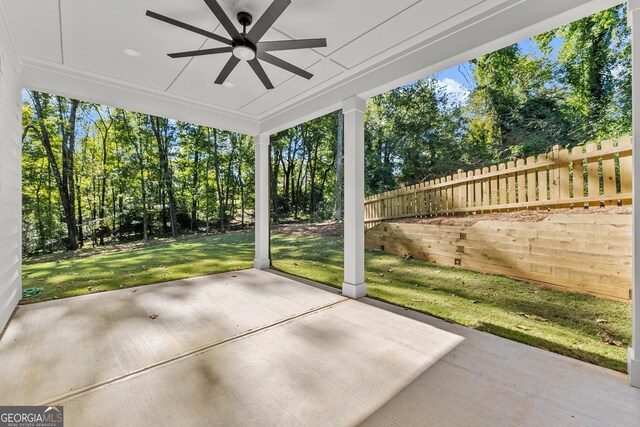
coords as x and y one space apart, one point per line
246 46
244 52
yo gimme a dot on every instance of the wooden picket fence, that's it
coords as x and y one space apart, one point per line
593 175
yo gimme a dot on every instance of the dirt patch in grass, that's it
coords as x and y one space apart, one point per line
516 216
322 229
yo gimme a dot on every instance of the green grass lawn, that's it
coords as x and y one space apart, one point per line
63 276
580 326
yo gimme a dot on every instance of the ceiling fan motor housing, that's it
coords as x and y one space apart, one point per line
245 19
244 49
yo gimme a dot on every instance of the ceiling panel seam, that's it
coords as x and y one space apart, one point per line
436 38
420 33
306 91
373 28
286 80
188 63
292 38
60 26
338 64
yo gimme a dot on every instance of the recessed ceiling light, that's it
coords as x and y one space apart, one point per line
228 84
131 52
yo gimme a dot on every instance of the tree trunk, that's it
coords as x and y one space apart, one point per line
103 191
241 183
64 179
219 189
206 185
104 130
194 193
143 190
339 167
113 206
314 193
41 229
274 173
80 222
160 131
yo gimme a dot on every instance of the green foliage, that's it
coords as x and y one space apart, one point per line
121 187
303 170
572 87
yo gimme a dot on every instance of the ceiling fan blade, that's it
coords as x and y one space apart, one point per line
224 19
291 44
228 68
201 52
284 65
188 27
267 19
257 68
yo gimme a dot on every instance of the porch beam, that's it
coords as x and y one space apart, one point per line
354 284
634 351
262 259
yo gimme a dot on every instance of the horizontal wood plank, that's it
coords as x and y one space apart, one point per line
570 252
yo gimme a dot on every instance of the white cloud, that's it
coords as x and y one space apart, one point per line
458 93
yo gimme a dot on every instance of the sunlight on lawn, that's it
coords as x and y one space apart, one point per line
580 326
576 325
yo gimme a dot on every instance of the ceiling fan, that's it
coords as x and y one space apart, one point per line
246 46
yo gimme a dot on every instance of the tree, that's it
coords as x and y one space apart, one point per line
339 165
594 68
65 124
163 133
103 126
134 132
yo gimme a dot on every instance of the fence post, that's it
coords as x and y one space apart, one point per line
477 188
520 182
609 174
554 174
563 175
578 176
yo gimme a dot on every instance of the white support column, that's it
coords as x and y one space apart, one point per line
634 352
262 213
354 284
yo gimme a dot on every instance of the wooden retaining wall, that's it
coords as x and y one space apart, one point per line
589 253
593 175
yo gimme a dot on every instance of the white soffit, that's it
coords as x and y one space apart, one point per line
74 48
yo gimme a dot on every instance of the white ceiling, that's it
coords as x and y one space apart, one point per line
76 45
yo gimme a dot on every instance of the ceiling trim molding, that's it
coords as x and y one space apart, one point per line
62 80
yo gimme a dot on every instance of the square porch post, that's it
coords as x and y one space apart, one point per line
354 283
634 351
262 259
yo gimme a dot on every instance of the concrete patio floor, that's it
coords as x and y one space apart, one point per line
259 348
